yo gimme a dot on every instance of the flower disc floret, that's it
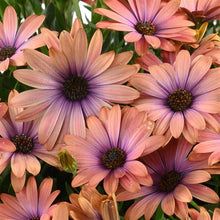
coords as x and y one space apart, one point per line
169 181
6 52
180 100
113 158
145 28
23 143
75 88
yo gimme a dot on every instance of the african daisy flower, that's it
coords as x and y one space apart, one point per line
111 149
72 83
13 40
201 10
148 23
20 147
90 204
203 214
30 203
176 180
181 97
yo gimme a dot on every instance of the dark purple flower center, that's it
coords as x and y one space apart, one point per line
169 181
113 158
75 88
145 28
23 143
34 218
6 52
180 100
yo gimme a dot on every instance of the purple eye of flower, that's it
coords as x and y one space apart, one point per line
23 143
35 218
169 181
6 52
145 28
75 88
113 158
180 100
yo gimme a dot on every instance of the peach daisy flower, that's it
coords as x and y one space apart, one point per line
71 84
30 203
176 180
113 144
90 204
20 147
14 40
201 10
148 23
181 97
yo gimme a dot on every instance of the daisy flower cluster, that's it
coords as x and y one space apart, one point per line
115 116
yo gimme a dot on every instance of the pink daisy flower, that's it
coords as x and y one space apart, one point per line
201 10
111 149
20 147
71 84
30 203
13 40
148 23
181 97
176 180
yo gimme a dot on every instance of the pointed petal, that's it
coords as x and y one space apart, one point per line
177 124
28 27
10 23
168 204
182 193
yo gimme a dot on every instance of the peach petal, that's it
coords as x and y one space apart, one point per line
80 45
110 183
177 124
95 48
182 193
7 145
168 204
17 182
216 214
182 66
153 41
18 165
199 68
77 121
98 132
50 38
197 176
203 193
100 64
129 183
38 80
28 27
10 23
132 37
117 93
4 65
166 12
77 24
136 168
141 46
116 74
59 61
32 164
214 158
195 119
